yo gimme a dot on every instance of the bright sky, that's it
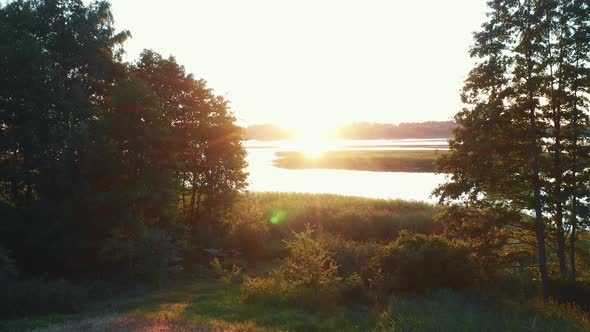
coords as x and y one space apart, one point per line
308 64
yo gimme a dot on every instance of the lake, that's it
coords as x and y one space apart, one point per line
403 185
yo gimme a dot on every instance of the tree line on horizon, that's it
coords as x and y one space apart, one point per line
360 131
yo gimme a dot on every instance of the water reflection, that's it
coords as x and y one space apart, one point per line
410 186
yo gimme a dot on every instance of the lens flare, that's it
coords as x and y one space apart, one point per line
278 216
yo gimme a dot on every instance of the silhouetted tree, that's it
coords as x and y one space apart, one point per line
518 143
98 154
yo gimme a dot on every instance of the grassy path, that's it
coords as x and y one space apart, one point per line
204 305
201 305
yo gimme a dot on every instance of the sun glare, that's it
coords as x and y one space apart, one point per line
312 140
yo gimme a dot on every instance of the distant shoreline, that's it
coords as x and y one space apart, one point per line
358 131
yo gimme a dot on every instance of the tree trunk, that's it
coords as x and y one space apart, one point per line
539 227
574 213
557 163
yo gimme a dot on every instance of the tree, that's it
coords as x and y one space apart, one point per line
202 147
577 84
95 152
517 144
57 60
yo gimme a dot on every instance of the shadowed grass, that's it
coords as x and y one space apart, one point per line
202 305
446 310
362 160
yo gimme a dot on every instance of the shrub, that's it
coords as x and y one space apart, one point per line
248 231
306 278
39 297
418 262
151 256
487 230
227 276
309 264
352 257
7 268
577 293
158 256
272 289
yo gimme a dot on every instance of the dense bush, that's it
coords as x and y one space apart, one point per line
577 293
39 297
351 256
248 230
150 257
7 268
275 289
415 262
487 231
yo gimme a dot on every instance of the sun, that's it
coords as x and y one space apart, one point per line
312 139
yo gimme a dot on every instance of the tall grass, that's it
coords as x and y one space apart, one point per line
446 310
354 218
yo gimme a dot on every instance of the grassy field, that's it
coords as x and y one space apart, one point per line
353 229
204 305
355 218
362 160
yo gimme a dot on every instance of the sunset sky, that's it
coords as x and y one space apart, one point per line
312 64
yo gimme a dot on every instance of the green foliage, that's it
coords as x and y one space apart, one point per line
419 262
307 277
41 297
8 270
522 140
352 257
157 257
260 222
227 276
200 304
309 264
451 310
248 230
153 256
414 161
353 218
91 146
495 235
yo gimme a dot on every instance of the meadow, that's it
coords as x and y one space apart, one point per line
202 305
362 160
273 232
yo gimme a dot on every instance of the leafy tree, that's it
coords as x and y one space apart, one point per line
95 151
518 144
203 143
57 60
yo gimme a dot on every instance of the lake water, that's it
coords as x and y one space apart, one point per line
409 186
